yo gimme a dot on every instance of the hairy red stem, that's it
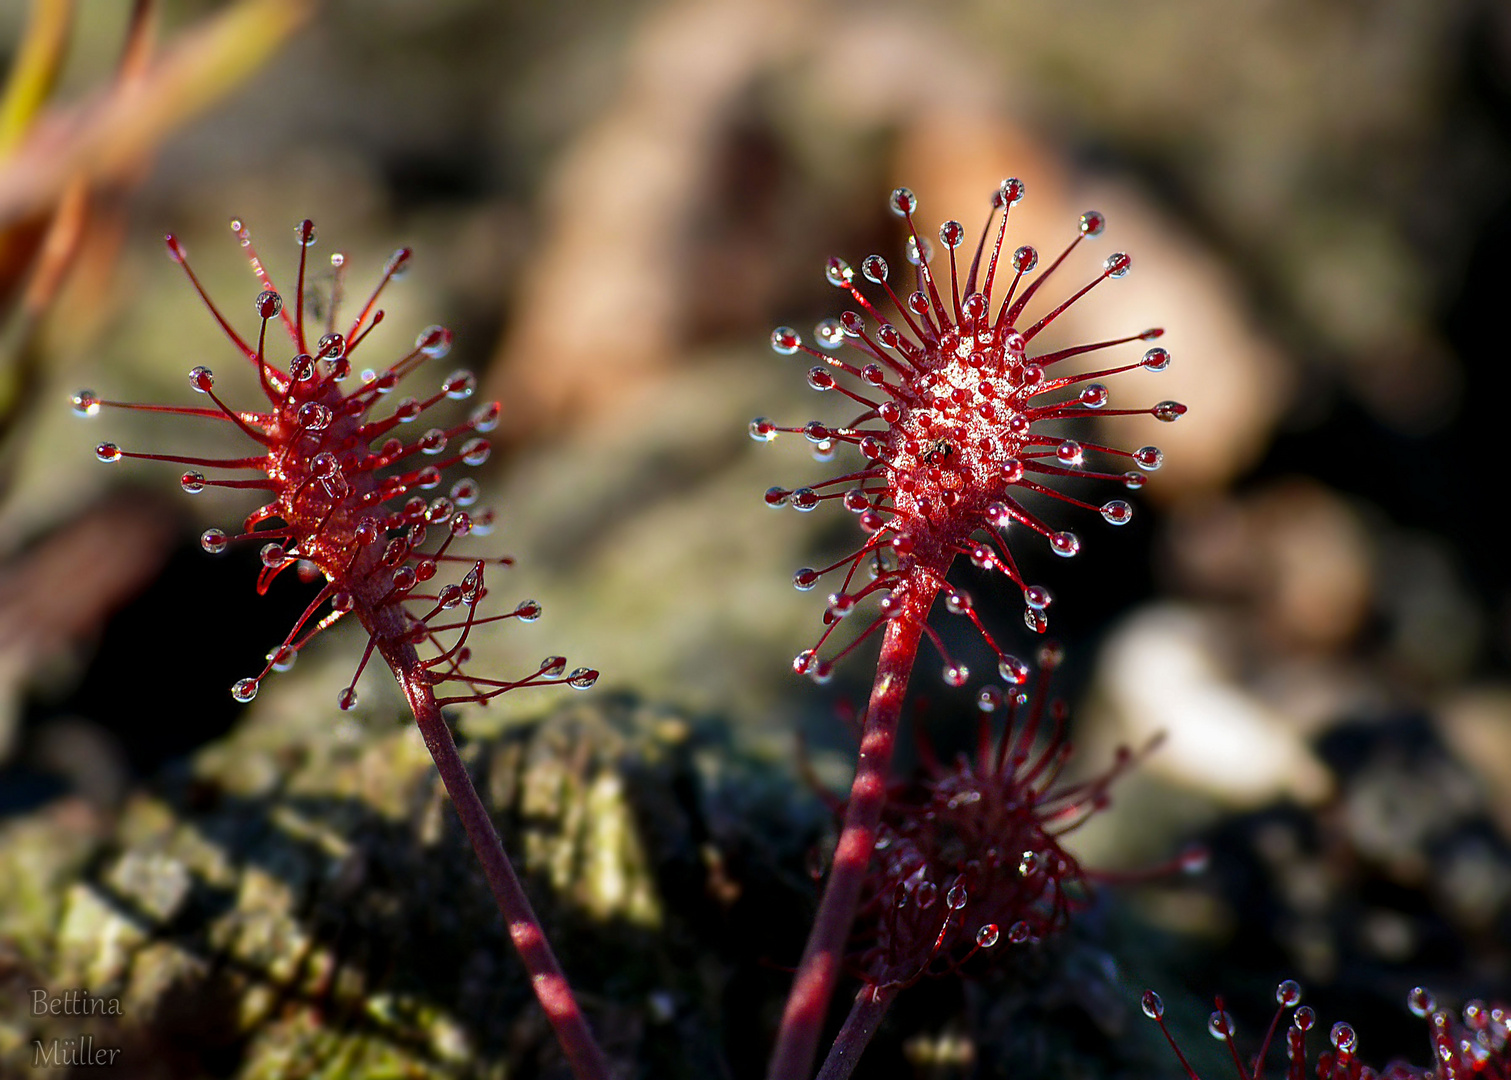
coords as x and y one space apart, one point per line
546 977
817 973
870 1006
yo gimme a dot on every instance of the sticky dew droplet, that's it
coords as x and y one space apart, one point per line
86 403
108 452
1117 512
244 690
1152 1004
1288 994
987 936
213 541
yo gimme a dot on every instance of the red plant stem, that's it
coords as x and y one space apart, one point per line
817 973
546 977
865 1015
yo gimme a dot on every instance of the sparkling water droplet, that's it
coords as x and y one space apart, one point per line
1304 1018
838 273
1019 932
951 234
1220 1025
1028 864
1064 544
269 304
1036 621
304 233
1038 597
956 674
1343 1037
785 340
1070 454
1148 458
108 452
989 699
214 541
1288 994
1014 671
346 700
919 251
582 678
1156 359
821 378
192 482
875 268
829 333
485 417
903 202
527 610
459 384
1168 411
805 579
1094 396
244 690
273 556
86 403
476 451
1152 1004
202 379
1117 512
1092 223
1117 265
804 499
282 658
1420 1001
956 898
433 341
1134 481
314 416
926 893
987 936
330 346
1025 259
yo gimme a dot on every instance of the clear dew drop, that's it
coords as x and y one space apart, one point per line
1011 191
1152 1004
86 403
951 234
987 936
1025 259
1220 1025
282 658
838 273
244 690
903 202
1420 1001
1343 1037
956 674
829 333
433 341
459 384
108 452
1070 454
330 346
989 699
346 700
192 482
304 233
314 416
1014 671
1117 265
273 556
1148 458
1028 864
1156 359
1038 597
1064 543
1117 512
213 541
785 340
1094 396
1019 932
485 417
805 579
582 678
1288 994
804 500
957 897
1168 411
919 251
1092 223
1304 1018
476 451
1133 481
821 378
875 268
269 304
201 379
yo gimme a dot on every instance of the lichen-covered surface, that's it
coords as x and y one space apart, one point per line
310 908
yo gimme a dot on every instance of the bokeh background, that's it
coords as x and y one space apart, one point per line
611 204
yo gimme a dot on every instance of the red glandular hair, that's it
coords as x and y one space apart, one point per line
969 860
1474 1046
952 429
350 500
